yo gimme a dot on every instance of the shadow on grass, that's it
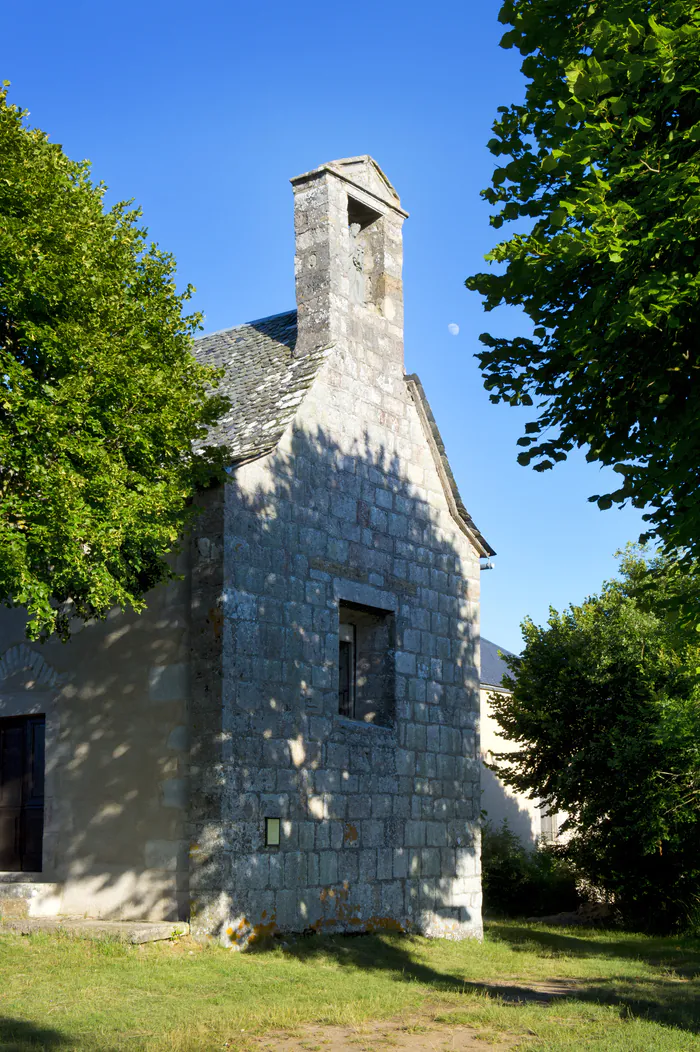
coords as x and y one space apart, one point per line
18 1035
681 953
671 997
390 953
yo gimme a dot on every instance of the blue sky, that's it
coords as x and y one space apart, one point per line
202 112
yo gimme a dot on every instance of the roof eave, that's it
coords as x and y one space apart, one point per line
454 501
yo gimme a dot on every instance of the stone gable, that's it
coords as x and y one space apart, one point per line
351 511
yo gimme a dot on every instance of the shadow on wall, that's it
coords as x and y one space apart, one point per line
379 824
373 834
116 762
498 805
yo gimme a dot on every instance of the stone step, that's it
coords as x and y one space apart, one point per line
125 931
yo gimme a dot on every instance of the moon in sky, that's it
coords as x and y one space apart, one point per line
453 329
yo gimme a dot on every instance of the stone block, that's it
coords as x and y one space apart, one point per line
372 833
287 781
405 663
337 755
368 865
392 900
307 838
295 869
400 861
415 834
337 835
276 877
348 866
287 912
436 834
359 807
327 781
382 806
328 867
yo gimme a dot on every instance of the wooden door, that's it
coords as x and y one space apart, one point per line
21 793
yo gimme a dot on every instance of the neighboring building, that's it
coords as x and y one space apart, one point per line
527 817
288 738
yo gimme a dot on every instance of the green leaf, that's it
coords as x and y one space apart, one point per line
599 249
102 399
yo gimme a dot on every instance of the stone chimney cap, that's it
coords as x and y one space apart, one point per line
362 172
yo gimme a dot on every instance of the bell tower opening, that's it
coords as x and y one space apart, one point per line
365 262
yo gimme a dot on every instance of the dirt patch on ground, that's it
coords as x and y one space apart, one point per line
415 1034
524 991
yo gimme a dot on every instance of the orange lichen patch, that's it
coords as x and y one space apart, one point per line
350 833
384 924
343 914
261 931
244 933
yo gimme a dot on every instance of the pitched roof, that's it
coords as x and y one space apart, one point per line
263 379
362 173
266 384
493 667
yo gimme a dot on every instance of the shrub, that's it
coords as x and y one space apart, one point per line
521 882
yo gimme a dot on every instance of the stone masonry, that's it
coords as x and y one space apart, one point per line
351 506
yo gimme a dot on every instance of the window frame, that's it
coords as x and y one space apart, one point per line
372 666
30 805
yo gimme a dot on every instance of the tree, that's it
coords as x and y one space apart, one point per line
606 712
100 398
600 166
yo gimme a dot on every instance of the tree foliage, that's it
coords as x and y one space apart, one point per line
599 167
100 398
606 713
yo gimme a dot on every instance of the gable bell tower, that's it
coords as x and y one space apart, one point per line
348 259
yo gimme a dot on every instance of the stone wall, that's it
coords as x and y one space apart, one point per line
115 699
379 824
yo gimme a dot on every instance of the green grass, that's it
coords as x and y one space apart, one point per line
632 993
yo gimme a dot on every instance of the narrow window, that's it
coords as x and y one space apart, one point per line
272 832
366 663
21 793
346 671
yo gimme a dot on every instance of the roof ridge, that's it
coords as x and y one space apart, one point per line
497 646
243 324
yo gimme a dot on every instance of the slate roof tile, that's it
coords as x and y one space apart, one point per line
493 667
266 384
264 380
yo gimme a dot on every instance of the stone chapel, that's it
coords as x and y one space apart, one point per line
287 739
